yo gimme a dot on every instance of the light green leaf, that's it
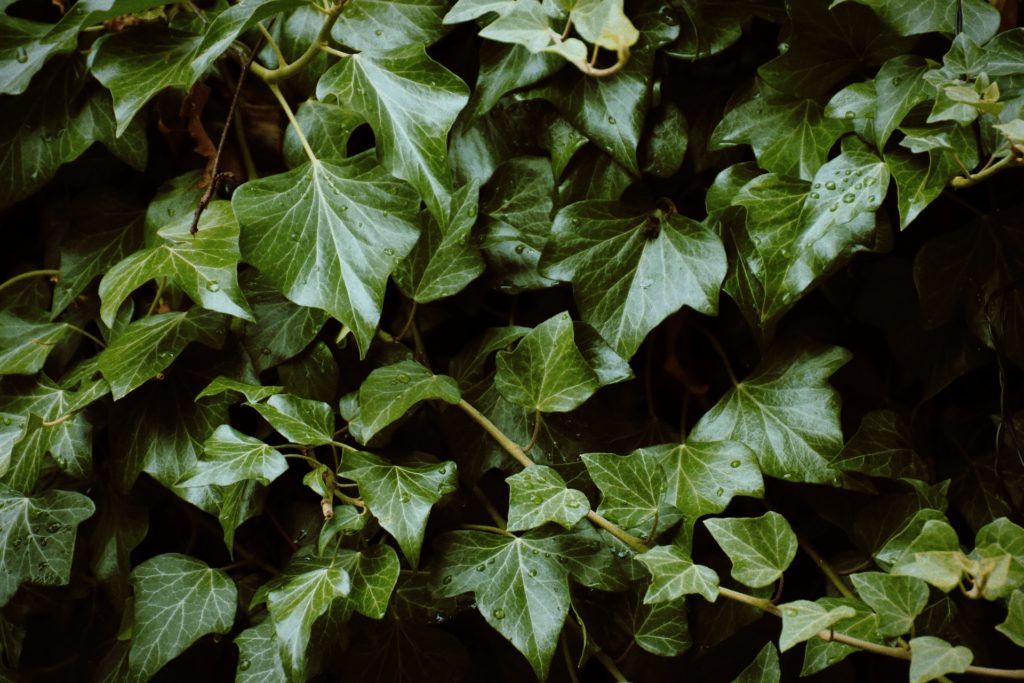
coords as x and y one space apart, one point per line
896 599
296 599
149 345
786 413
538 495
400 497
932 657
37 537
259 655
391 391
789 137
299 420
603 23
795 232
521 588
900 86
204 265
821 654
447 259
388 89
230 456
702 477
760 547
764 668
803 619
178 599
941 568
1003 537
26 339
347 519
523 23
1013 626
546 371
632 490
374 573
328 235
926 530
630 269
673 575
378 25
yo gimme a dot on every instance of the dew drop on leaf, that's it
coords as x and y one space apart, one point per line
446 580
244 665
830 185
848 198
378 33
815 195
389 251
833 208
405 498
22 55
499 614
532 572
520 248
849 115
720 491
213 286
611 120
481 568
734 464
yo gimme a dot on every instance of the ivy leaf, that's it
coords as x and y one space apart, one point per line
1003 537
900 86
673 575
980 20
932 657
380 25
632 490
786 413
400 497
702 477
296 599
881 448
149 345
374 573
444 260
230 456
251 392
37 537
521 588
25 342
919 179
764 668
662 628
603 23
299 420
327 128
803 619
282 329
538 495
388 89
795 232
1013 626
546 371
630 269
926 530
259 655
204 265
328 235
504 68
120 526
665 147
896 599
789 137
178 599
820 654
392 391
760 547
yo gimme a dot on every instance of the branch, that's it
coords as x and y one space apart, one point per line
29 274
1015 159
286 71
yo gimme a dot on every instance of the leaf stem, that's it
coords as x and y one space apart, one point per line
272 43
499 521
537 422
489 529
827 569
28 274
291 119
285 70
93 338
156 297
334 52
1014 159
569 665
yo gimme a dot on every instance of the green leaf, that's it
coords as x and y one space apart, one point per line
803 619
546 371
400 497
37 537
665 146
203 265
26 342
251 392
388 89
795 232
702 477
259 655
327 128
299 420
328 235
980 20
538 495
120 526
632 491
178 599
1013 626
296 599
504 68
764 668
521 588
881 448
760 547
673 575
789 137
379 25
919 179
374 573
444 260
282 329
926 530
900 87
603 23
149 345
786 413
821 654
392 391
1003 537
347 520
932 657
896 599
230 456
662 628
631 269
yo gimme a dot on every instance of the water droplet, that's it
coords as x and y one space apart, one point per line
405 498
858 186
848 198
265 351
532 572
621 554
871 198
830 185
783 48
520 248
536 500
43 541
402 379
611 120
849 115
720 491
645 283
481 568
572 504
22 55
896 80
787 475
213 286
378 33
171 212
446 580
389 251
499 614
815 195
817 186
343 208
858 173
833 208
244 665
734 464
295 236
472 212
847 172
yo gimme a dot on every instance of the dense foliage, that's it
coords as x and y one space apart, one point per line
499 339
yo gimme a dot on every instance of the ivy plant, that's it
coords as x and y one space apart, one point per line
511 340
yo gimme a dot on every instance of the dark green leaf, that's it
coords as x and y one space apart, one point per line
764 668
299 420
230 456
538 495
896 599
392 391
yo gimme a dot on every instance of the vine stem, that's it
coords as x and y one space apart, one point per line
721 354
489 529
28 274
827 569
93 338
1015 159
286 71
291 119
